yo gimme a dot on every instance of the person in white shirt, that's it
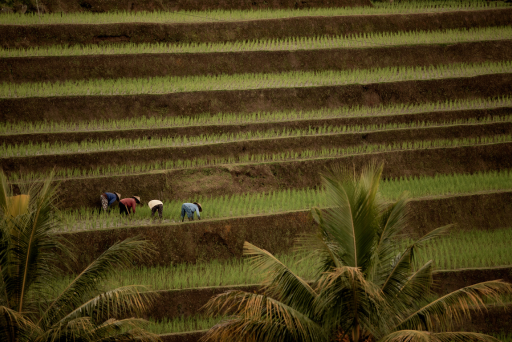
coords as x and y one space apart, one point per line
156 205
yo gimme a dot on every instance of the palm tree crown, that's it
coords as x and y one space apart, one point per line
364 290
82 311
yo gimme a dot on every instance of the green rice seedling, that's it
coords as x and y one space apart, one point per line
455 251
32 149
324 153
364 40
182 324
294 79
408 7
286 200
11 128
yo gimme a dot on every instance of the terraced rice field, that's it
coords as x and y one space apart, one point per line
240 108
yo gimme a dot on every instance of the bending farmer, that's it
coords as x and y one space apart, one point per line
190 209
156 205
108 198
127 205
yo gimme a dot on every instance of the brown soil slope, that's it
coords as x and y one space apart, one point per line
82 108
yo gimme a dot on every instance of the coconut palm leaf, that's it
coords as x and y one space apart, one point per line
31 251
417 286
425 336
109 263
259 317
455 306
128 329
280 282
353 219
347 301
118 302
13 324
393 221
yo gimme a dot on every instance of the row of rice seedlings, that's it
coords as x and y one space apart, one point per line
181 324
361 40
239 205
293 79
455 251
405 7
47 148
323 153
11 128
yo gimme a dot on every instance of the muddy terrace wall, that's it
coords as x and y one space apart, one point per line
189 5
185 184
42 35
92 160
45 69
188 302
190 131
76 108
223 239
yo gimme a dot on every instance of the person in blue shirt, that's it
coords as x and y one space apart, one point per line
108 198
190 209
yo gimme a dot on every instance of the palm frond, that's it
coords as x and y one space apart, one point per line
455 306
432 235
261 318
347 299
352 222
14 324
280 282
417 286
32 249
128 329
108 264
392 222
425 336
122 301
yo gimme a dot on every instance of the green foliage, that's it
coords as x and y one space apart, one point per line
82 310
407 7
362 288
293 79
364 40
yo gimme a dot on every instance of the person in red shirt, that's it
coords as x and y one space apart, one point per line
127 205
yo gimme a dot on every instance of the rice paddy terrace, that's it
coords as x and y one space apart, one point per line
239 106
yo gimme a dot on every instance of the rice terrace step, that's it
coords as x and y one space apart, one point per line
241 106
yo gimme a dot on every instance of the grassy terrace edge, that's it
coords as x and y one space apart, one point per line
247 147
267 176
44 69
496 321
83 108
173 127
223 238
188 302
13 36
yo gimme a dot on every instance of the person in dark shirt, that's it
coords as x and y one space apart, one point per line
127 205
108 198
190 209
